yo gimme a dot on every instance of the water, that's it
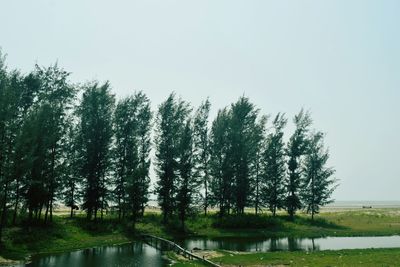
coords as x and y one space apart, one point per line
127 255
292 244
140 254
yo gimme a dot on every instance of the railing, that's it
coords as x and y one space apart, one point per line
164 244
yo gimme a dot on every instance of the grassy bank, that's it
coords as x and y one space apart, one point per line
346 223
62 235
66 234
352 257
356 257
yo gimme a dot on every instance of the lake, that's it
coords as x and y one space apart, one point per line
292 244
129 255
140 254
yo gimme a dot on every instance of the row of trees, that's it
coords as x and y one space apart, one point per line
238 162
94 152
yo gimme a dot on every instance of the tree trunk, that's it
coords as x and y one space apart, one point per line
89 214
101 210
30 216
51 209
4 212
16 203
257 186
46 213
53 160
165 220
119 209
183 223
205 196
40 211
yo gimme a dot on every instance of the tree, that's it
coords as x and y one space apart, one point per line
318 185
7 114
221 172
126 158
258 143
297 148
274 166
37 136
132 131
202 147
144 121
29 87
243 135
169 125
187 182
15 100
58 94
71 176
95 129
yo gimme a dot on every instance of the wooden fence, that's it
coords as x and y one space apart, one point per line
164 244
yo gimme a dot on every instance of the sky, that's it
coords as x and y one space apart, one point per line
338 59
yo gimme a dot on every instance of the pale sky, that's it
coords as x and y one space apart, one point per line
338 59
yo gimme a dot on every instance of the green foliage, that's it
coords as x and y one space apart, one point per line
170 122
220 168
296 149
132 120
201 139
274 167
243 135
247 221
95 133
92 154
187 182
318 185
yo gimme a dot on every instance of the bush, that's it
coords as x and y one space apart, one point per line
246 221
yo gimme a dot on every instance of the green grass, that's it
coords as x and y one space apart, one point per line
346 223
66 234
63 235
356 257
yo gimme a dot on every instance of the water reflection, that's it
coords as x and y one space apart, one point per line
140 254
133 254
292 244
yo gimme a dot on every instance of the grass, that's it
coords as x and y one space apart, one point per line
377 222
63 235
356 257
66 234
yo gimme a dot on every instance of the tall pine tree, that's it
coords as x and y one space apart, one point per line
221 183
274 166
170 123
297 148
95 129
187 182
318 184
202 148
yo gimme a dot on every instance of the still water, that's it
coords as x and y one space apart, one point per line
127 255
292 244
140 254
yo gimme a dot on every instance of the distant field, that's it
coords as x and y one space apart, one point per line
336 206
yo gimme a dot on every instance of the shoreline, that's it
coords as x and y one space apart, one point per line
66 235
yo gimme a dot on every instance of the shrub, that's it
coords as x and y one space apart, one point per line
247 221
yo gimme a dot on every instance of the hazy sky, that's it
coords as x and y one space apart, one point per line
339 59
